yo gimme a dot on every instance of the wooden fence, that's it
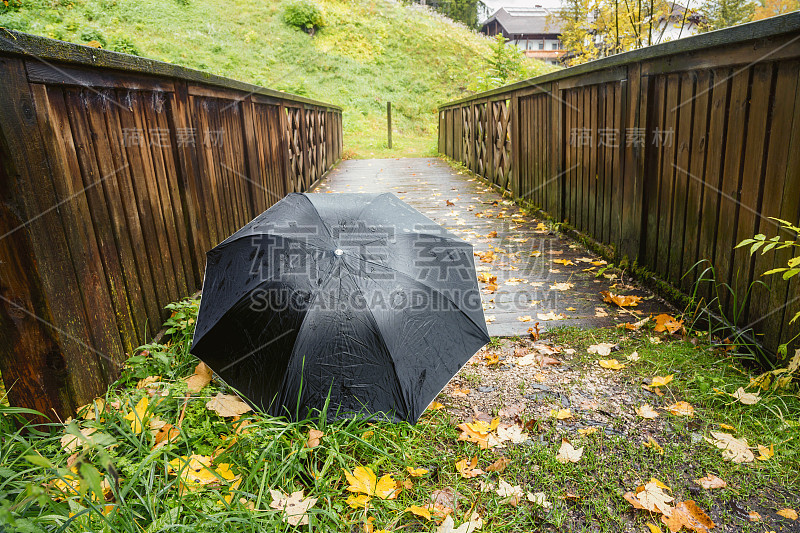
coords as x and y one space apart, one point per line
671 154
117 174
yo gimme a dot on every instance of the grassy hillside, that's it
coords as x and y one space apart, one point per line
369 52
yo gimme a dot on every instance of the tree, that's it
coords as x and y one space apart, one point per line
720 14
464 11
773 8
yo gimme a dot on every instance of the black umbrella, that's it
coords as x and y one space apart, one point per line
356 298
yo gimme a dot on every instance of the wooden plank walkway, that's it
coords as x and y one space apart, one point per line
532 277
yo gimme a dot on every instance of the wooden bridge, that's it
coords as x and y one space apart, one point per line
118 173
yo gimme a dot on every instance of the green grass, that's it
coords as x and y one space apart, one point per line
271 454
369 52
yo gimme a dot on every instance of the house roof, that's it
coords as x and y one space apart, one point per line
522 20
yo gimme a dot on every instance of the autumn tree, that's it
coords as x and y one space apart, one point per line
773 8
718 14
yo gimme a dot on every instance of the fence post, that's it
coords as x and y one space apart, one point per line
633 226
389 122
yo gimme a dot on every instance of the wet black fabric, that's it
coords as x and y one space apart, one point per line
358 299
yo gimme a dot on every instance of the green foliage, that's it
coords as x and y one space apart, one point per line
505 64
93 34
303 15
464 11
124 45
719 14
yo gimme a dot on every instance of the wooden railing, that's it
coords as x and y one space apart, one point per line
670 154
117 174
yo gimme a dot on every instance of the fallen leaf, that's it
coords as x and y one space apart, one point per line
791 514
651 443
364 481
611 364
646 411
512 433
687 514
604 348
165 434
711 482
540 499
661 381
416 472
747 398
588 431
653 528
526 318
513 410
562 414
228 405
620 300
753 516
358 502
733 449
562 286
567 453
667 323
448 526
70 443
510 493
201 377
764 453
492 359
681 409
196 471
314 438
651 497
499 466
137 415
435 406
633 357
295 507
149 380
422 512
468 468
550 316
565 262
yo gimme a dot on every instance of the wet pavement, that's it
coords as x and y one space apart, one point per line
541 275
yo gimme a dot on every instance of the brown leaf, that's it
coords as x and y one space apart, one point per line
446 498
791 514
681 409
499 466
688 514
294 506
711 482
468 468
314 438
227 405
513 410
667 323
165 434
620 300
200 378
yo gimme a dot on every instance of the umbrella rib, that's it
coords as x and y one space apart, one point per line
375 321
437 291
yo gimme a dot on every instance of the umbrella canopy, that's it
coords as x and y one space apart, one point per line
355 299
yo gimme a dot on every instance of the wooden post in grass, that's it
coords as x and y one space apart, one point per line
389 121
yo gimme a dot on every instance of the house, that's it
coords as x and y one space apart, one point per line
533 29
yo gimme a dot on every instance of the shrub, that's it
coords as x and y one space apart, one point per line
92 34
124 45
303 15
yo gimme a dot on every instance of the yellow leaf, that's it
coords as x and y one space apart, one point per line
314 438
791 514
358 502
620 300
386 488
765 454
201 377
526 318
416 472
653 528
667 323
136 417
567 453
688 514
661 381
362 480
728 427
367 434
149 380
419 511
611 364
468 468
588 431
651 443
492 359
435 406
561 414
681 409
565 262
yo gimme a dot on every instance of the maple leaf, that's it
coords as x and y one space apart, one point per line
201 377
448 526
435 406
651 443
468 468
588 431
71 442
422 512
611 364
688 514
561 414
651 497
92 410
620 300
499 466
667 323
539 498
764 453
568 454
747 398
733 449
314 438
294 506
646 411
513 433
136 416
604 348
362 480
492 359
358 502
228 405
196 471
511 494
165 434
661 381
711 482
562 286
550 316
416 472
565 262
681 409
791 514
492 235
526 318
